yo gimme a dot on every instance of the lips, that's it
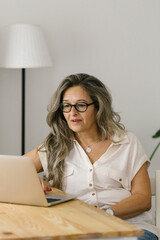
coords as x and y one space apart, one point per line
76 120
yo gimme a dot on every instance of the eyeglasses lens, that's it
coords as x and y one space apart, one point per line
80 107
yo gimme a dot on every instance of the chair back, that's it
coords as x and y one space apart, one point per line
155 189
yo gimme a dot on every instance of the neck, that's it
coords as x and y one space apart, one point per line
87 139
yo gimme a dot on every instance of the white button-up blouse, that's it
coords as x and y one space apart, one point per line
108 180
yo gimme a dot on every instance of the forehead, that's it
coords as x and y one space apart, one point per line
76 93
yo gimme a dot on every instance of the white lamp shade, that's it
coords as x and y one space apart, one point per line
23 46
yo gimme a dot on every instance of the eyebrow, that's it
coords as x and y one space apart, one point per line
79 100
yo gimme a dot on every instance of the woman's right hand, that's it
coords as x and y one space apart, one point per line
45 187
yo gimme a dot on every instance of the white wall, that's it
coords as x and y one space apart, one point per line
118 41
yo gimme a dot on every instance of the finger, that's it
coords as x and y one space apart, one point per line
48 188
43 184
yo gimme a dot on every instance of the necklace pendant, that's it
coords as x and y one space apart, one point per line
88 149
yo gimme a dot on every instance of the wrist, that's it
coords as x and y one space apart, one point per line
110 211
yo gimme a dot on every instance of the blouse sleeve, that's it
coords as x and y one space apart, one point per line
138 156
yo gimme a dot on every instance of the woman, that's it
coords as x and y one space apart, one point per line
88 153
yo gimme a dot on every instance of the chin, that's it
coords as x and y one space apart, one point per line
76 130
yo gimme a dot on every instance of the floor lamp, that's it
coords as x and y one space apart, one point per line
23 46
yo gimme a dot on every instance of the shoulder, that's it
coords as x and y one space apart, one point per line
132 137
129 144
133 140
126 137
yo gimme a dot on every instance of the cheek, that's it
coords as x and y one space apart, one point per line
91 116
65 117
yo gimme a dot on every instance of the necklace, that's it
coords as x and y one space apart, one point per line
88 149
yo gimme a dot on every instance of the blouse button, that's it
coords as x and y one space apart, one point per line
91 170
93 194
120 179
90 184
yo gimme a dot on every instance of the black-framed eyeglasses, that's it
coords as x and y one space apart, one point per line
80 107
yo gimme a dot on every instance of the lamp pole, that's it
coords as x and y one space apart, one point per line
23 113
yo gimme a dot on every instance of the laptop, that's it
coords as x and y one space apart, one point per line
19 183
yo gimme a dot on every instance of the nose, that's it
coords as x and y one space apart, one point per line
73 110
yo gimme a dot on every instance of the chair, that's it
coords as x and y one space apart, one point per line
155 189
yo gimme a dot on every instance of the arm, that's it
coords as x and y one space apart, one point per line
140 199
35 157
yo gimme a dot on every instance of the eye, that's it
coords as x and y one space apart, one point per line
81 104
66 105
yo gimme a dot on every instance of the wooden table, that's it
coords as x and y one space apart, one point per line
70 220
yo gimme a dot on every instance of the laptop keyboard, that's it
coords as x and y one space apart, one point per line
50 200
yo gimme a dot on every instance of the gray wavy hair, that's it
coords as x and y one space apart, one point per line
60 140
